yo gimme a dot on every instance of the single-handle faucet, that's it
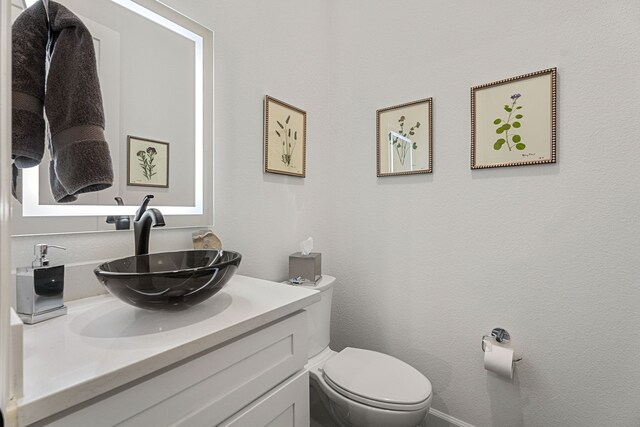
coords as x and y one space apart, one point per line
144 219
121 221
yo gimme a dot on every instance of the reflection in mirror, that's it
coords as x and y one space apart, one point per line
156 77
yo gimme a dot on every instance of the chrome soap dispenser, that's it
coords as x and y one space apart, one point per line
40 288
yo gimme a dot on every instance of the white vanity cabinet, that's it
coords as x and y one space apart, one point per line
213 386
253 378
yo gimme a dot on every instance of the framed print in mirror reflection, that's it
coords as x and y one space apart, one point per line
147 162
404 139
285 138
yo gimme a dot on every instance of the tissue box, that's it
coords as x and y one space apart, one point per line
309 267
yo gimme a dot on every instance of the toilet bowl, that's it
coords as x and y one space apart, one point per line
361 387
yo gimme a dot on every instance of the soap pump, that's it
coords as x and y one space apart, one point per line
40 288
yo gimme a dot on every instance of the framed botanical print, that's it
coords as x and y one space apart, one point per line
147 162
404 139
285 138
513 121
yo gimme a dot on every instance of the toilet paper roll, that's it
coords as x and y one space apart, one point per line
498 359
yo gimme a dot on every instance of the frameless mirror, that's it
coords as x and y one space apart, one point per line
156 76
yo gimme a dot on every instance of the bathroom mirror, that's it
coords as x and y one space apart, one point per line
156 75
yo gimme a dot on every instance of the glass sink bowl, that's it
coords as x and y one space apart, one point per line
168 280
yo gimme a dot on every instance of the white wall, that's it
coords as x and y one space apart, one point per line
429 263
277 48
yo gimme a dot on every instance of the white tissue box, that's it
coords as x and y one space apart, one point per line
309 267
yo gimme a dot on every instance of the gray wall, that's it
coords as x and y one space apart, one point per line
428 264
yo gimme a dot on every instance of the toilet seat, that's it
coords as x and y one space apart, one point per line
377 380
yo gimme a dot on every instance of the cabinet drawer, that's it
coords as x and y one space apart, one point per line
208 389
285 406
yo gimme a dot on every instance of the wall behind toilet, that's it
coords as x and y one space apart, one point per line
427 264
430 263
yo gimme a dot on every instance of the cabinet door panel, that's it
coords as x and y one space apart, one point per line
285 406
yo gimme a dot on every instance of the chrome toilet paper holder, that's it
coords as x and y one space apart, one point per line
501 336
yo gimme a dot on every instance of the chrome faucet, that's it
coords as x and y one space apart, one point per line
144 219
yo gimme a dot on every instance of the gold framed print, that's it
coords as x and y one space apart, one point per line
513 121
404 139
285 138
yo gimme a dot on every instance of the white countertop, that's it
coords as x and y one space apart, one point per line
103 343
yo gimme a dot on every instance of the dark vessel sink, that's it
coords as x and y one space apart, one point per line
169 280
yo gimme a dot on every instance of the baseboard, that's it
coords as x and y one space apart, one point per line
448 418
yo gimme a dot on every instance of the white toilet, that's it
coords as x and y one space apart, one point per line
360 387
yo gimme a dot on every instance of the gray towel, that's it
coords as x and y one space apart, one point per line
81 161
30 35
16 183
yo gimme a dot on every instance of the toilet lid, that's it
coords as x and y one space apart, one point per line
377 379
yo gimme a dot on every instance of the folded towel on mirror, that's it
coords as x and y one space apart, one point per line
81 161
29 39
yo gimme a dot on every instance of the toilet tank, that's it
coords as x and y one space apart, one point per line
319 316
